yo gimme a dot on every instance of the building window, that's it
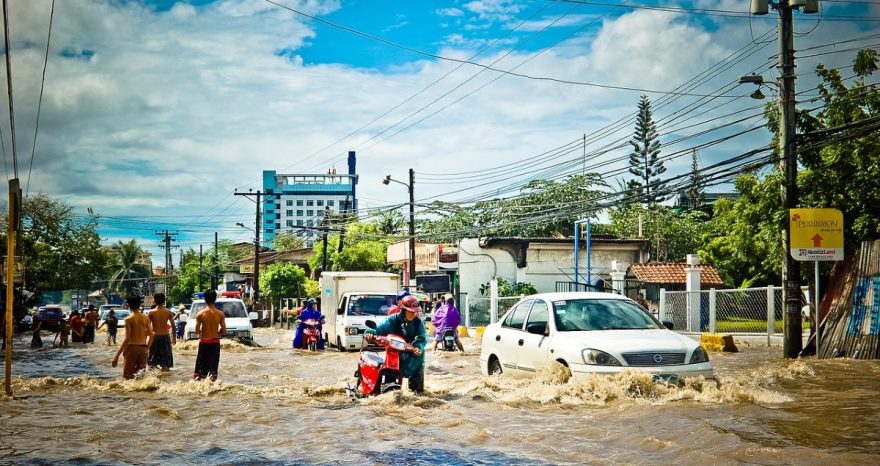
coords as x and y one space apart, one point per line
290 213
289 203
270 231
270 211
299 213
290 223
320 213
320 203
299 223
310 203
310 223
277 226
299 203
330 202
310 213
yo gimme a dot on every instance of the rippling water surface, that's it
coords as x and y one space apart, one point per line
274 405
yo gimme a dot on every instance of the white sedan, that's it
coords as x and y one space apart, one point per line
588 333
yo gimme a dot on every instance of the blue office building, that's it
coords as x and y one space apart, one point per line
298 202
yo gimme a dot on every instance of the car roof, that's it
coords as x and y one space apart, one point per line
563 296
219 299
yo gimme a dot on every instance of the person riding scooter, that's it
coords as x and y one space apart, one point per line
445 318
310 312
408 325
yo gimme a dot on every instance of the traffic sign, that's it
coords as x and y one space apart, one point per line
816 234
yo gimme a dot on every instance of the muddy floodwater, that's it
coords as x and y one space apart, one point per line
275 405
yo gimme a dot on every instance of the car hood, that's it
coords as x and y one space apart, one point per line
631 341
238 323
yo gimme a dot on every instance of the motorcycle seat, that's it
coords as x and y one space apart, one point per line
372 359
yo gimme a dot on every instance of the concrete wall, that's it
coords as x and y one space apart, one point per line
547 263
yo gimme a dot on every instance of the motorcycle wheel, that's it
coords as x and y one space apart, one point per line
313 346
390 388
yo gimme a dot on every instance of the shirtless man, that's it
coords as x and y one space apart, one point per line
160 350
210 324
138 336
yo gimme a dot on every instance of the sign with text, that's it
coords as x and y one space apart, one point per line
816 234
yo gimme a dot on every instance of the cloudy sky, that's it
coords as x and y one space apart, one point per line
154 112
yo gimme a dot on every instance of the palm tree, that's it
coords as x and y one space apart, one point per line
124 264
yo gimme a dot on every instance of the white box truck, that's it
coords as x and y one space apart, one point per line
349 299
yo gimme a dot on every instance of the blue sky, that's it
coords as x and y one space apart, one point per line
155 112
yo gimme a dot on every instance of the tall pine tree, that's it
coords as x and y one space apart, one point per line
644 160
694 191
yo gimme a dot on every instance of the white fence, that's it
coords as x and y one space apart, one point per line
743 310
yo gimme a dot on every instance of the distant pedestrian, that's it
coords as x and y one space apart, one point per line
63 332
36 340
138 336
91 322
163 321
641 301
210 325
76 327
112 323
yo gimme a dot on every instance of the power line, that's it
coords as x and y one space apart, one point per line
9 88
40 101
458 60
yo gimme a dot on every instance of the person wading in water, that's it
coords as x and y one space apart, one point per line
138 336
164 336
210 324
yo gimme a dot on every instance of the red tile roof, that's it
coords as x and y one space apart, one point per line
672 273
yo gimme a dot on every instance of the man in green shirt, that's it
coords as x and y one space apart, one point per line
408 325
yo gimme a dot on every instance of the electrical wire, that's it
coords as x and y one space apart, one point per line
40 101
9 88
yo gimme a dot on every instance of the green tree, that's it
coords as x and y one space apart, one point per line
694 192
283 280
288 241
644 160
124 266
186 281
60 250
672 235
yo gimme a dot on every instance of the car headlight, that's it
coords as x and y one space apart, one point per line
599 358
699 356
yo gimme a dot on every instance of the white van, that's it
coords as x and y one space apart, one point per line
238 322
349 299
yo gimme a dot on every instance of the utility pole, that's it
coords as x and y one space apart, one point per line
412 227
256 284
325 226
792 342
200 269
216 267
12 226
167 238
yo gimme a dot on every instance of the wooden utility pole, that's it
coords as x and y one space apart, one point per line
256 283
11 232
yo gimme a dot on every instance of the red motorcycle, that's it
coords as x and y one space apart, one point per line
310 334
376 375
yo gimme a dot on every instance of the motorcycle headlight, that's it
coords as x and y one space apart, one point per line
599 358
398 345
699 356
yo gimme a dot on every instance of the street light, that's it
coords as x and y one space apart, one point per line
412 221
245 227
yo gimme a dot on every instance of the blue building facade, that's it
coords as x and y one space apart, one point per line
298 202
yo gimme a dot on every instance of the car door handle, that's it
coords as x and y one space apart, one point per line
520 342
497 337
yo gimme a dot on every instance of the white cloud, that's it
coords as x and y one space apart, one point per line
453 12
494 9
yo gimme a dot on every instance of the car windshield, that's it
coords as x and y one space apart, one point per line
120 314
230 309
50 313
601 314
370 304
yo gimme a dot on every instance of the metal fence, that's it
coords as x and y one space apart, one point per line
479 310
744 310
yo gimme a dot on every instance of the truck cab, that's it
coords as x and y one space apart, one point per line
349 299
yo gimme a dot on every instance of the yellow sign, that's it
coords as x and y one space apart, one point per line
249 268
816 234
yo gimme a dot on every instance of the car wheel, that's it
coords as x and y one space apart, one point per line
494 366
339 346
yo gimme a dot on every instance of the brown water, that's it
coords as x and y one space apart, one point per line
274 405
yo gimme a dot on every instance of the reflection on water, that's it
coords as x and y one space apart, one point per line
276 405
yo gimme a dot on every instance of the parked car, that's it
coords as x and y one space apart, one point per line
106 307
589 333
26 322
238 321
50 316
121 314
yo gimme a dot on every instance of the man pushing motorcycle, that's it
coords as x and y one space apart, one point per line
310 312
408 325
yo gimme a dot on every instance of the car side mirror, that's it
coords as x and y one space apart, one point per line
253 316
370 324
668 324
340 311
537 328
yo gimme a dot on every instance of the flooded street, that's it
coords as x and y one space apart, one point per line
276 405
